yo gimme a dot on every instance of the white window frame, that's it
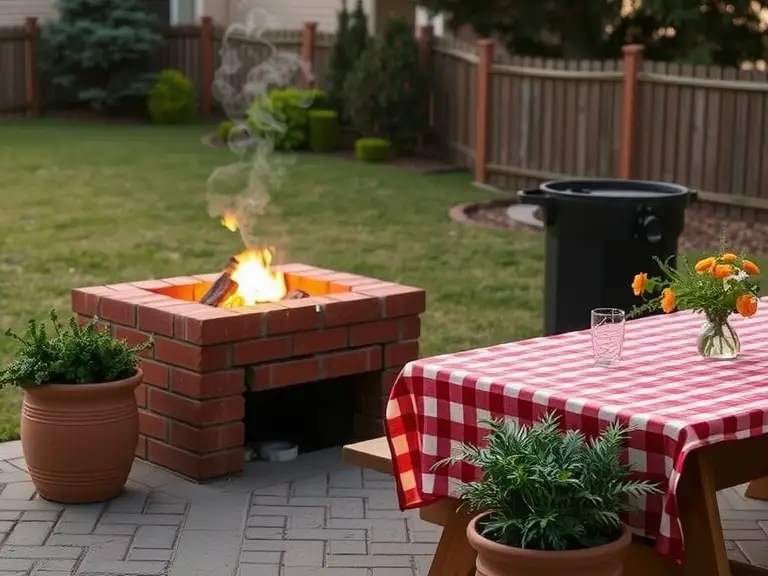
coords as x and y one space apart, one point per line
174 5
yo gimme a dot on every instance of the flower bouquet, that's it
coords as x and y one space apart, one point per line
717 286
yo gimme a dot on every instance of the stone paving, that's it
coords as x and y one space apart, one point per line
310 517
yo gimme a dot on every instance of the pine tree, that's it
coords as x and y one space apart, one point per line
385 91
359 37
340 63
102 50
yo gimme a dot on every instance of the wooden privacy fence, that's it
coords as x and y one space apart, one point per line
194 50
515 121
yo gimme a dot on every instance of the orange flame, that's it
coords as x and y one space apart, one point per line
257 281
229 221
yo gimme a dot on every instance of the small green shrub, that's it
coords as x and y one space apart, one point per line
224 129
323 130
373 150
173 99
73 354
283 116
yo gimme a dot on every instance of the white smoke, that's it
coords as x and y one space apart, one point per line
250 67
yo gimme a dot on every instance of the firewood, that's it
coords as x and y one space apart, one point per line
223 288
295 295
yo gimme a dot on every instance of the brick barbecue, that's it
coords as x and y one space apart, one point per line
205 359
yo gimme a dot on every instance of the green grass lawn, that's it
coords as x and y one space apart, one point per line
86 204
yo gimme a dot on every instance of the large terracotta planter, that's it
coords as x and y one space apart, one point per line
79 439
498 560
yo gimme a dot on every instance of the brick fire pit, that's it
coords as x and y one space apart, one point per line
206 360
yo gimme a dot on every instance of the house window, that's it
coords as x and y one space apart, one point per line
184 12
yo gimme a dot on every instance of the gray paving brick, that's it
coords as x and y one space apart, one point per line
422 536
16 564
258 570
150 554
328 571
18 491
116 529
407 548
9 516
39 552
316 486
142 519
37 516
262 557
6 525
161 508
131 500
14 573
226 512
273 533
55 566
347 508
325 534
758 535
29 533
283 501
302 553
392 572
124 568
13 477
266 521
346 478
155 537
24 505
347 547
75 527
755 552
115 549
205 552
369 561
278 489
83 513
298 516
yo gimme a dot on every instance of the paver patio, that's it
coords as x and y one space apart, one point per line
310 517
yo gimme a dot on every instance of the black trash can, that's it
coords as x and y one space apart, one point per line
600 233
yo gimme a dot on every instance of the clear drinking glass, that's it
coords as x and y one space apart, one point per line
607 335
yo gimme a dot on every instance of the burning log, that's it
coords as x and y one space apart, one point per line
224 287
295 295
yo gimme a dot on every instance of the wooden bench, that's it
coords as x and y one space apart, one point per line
455 557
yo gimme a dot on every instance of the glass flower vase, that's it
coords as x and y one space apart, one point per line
718 340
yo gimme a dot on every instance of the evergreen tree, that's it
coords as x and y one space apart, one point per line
359 37
340 63
102 50
386 90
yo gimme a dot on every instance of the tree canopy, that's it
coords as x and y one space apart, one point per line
688 31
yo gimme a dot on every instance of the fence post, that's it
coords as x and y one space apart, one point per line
484 61
206 65
633 57
308 40
30 64
426 38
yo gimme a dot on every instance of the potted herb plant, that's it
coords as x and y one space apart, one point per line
550 502
79 418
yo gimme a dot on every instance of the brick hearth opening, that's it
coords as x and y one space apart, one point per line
352 334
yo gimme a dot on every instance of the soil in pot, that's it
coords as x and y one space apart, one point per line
498 560
79 439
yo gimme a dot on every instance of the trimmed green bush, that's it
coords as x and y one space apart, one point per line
283 116
323 130
173 99
224 129
373 150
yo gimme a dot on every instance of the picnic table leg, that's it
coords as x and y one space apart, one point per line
700 518
757 489
454 556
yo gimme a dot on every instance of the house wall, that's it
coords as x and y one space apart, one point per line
13 12
291 14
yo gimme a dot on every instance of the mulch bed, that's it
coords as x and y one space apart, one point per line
412 163
703 228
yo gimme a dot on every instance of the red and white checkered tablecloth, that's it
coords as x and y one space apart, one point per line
676 400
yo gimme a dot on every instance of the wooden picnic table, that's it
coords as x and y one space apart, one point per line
699 426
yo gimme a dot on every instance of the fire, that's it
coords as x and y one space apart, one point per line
229 221
256 280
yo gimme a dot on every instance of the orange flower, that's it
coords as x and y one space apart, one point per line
750 267
721 271
638 284
728 258
746 305
703 266
667 300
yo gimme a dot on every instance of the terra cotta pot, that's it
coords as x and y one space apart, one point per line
79 439
498 560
